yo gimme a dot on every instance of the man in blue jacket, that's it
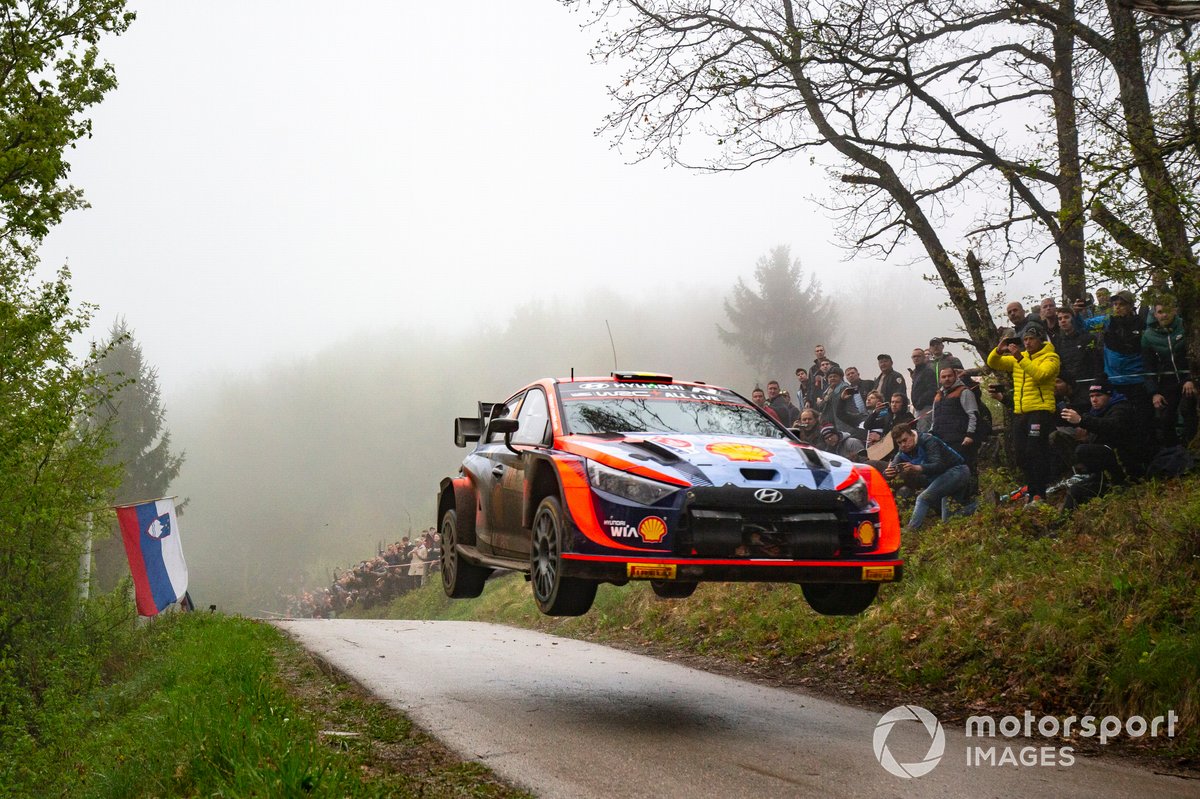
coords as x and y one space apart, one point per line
926 460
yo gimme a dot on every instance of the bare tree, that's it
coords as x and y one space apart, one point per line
926 104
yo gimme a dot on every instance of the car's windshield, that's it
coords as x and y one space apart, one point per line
661 410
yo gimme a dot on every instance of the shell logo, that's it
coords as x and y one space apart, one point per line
652 529
741 452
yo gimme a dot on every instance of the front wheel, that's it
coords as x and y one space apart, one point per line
668 589
839 599
460 580
555 594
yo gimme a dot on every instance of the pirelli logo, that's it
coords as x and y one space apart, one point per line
650 571
879 574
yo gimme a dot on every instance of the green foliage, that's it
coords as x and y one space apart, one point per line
201 705
52 479
772 324
50 75
136 423
1012 608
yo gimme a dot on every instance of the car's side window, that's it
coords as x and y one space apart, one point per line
533 418
507 412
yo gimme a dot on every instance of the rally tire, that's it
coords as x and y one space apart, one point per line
839 599
555 594
460 579
669 589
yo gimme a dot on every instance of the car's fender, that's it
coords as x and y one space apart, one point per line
541 480
458 493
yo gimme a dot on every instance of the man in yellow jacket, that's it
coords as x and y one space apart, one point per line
1033 371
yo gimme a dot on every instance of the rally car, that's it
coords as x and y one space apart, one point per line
636 476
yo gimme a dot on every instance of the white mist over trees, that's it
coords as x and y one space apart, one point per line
772 323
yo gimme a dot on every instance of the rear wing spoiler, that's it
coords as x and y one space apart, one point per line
469 429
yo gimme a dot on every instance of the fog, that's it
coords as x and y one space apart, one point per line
309 464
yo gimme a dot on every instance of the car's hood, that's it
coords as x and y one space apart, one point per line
702 460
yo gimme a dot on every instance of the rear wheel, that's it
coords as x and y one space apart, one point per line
555 594
460 580
669 589
839 599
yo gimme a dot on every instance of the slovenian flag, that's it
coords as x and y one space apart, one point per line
151 535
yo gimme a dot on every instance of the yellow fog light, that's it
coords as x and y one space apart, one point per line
865 533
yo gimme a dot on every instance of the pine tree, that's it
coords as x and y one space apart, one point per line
136 422
776 323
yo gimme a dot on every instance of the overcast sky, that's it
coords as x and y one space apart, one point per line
271 177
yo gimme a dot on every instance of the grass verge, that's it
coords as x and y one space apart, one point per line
209 705
1009 610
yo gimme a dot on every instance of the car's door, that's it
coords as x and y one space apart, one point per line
533 433
488 465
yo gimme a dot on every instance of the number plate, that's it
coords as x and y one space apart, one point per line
650 571
879 574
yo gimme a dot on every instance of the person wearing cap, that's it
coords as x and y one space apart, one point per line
838 395
1121 334
1033 371
1114 446
889 381
939 359
835 442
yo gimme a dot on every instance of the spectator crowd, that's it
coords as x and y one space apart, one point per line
1096 393
396 570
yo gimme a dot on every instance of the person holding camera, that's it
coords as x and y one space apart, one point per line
1034 370
925 462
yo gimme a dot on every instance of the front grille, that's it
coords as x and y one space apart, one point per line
729 523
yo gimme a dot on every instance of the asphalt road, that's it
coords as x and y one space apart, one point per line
565 718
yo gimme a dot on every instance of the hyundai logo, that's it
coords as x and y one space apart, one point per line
768 495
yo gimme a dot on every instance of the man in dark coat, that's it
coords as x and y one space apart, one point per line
1115 446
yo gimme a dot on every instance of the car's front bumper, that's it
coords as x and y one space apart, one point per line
619 569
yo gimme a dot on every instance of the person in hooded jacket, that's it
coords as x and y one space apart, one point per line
1172 389
1034 371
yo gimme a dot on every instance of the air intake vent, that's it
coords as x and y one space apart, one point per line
760 474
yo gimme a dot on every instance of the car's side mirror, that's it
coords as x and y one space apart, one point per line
466 430
505 427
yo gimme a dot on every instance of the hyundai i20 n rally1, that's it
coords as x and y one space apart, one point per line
641 477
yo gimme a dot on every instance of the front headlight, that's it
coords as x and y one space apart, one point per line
626 485
857 493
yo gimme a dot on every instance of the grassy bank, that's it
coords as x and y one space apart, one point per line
1011 609
208 705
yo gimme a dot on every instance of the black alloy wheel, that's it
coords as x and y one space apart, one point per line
555 594
460 579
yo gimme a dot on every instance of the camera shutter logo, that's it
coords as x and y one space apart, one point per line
768 495
937 746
